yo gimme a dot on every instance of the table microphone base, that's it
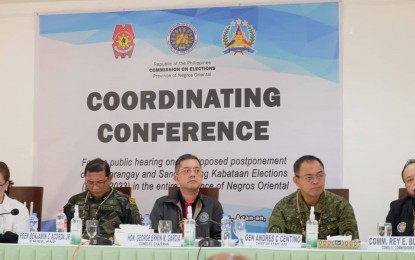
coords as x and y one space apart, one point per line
102 241
209 242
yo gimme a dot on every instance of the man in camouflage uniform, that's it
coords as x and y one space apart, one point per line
101 202
334 214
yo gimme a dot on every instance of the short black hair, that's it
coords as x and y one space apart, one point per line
408 162
305 158
4 170
97 165
186 156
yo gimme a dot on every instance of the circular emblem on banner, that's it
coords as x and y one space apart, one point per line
182 38
203 217
401 227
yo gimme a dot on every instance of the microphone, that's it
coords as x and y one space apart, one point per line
13 212
207 241
9 237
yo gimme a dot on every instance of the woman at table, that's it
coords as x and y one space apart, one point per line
8 222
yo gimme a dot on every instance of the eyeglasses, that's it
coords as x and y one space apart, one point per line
310 178
96 183
187 171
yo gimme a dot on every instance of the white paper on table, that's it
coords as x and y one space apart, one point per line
119 233
339 238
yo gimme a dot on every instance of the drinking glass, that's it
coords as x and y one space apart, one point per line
381 229
239 228
388 229
91 228
164 226
2 224
385 229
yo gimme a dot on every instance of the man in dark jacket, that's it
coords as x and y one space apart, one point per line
401 213
206 211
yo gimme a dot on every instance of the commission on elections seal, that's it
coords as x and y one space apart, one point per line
182 38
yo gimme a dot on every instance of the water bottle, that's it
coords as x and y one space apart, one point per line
312 230
226 226
76 228
147 221
34 222
189 228
61 221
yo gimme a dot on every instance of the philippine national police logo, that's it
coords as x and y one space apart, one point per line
239 42
123 41
182 38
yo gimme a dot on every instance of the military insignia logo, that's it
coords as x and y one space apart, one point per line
123 41
182 38
132 201
239 42
401 227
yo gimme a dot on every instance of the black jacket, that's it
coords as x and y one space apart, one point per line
401 216
169 208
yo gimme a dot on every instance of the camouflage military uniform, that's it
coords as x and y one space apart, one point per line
334 213
117 209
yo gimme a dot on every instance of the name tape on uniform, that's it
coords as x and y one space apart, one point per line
391 243
154 240
273 240
56 238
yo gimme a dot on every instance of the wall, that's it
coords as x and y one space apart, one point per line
378 69
378 73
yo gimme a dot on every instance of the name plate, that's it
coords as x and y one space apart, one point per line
273 240
391 243
56 238
139 239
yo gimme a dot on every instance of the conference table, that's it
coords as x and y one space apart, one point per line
89 252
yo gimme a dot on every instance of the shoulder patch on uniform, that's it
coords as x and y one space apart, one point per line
401 227
132 201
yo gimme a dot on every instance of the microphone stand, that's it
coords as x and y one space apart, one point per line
208 241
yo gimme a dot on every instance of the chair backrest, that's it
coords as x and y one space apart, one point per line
29 194
341 192
402 193
210 192
125 190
